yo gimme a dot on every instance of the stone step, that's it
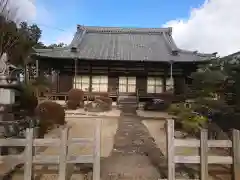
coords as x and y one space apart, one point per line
129 101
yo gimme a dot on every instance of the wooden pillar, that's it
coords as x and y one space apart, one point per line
171 70
26 73
165 79
90 79
58 81
75 71
37 68
37 75
171 74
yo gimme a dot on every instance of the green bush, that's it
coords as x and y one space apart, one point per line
192 122
189 120
175 109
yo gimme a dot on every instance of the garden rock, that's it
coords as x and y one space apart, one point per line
97 106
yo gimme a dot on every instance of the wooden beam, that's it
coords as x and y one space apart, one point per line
49 142
196 143
197 159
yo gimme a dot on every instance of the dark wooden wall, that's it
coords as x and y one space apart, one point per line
112 84
65 82
114 69
141 85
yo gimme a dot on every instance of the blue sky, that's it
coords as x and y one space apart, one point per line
204 25
57 18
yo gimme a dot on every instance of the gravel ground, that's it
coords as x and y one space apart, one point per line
129 164
135 154
83 127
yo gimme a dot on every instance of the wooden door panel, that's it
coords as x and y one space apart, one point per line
65 83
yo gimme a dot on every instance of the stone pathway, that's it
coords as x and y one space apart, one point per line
134 155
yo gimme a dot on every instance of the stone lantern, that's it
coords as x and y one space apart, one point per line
9 84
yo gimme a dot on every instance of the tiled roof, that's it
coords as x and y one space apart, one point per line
233 55
136 44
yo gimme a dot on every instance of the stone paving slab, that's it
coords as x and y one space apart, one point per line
132 151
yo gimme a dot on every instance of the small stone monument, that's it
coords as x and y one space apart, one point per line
7 96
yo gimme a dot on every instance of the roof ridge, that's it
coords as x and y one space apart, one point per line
169 42
123 29
197 53
77 38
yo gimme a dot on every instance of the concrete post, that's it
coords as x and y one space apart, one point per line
7 95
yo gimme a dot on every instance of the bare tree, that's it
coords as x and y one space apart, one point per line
8 27
16 38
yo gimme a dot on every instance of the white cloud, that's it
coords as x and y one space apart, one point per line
56 36
26 9
32 12
29 11
213 27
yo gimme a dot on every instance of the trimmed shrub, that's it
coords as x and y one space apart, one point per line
186 119
28 103
50 114
175 109
192 122
76 96
72 104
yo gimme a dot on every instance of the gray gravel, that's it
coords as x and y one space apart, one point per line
135 154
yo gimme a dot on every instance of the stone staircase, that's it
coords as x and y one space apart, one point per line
128 104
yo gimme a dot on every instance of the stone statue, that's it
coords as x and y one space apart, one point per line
3 64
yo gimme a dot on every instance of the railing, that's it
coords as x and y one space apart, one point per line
56 96
204 159
64 159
